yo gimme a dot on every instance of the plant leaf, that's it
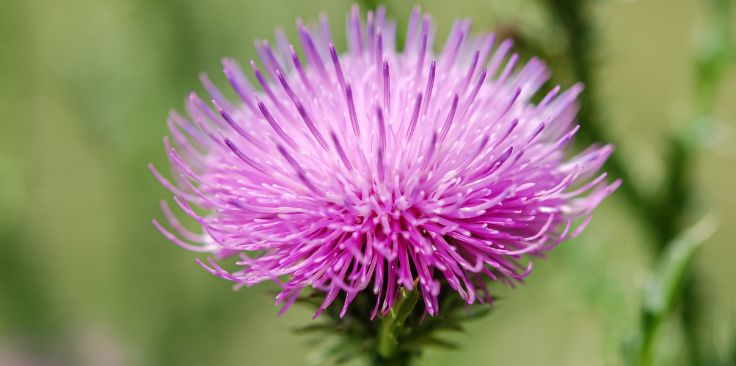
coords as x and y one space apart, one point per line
663 289
662 293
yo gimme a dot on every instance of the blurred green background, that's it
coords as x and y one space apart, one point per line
85 279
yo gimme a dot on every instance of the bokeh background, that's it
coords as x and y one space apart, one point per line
85 279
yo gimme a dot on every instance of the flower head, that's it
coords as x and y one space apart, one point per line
374 170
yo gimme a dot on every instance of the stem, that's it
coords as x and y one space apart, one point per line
711 65
397 359
651 327
663 216
573 17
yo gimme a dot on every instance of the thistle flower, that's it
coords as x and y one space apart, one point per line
375 170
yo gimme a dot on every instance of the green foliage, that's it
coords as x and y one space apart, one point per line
398 338
665 287
664 291
393 323
662 215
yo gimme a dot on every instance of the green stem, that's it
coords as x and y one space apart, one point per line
647 342
397 359
711 66
391 329
664 216
575 21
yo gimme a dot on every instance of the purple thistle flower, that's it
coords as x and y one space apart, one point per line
376 170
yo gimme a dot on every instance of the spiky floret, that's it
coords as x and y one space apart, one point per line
374 169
